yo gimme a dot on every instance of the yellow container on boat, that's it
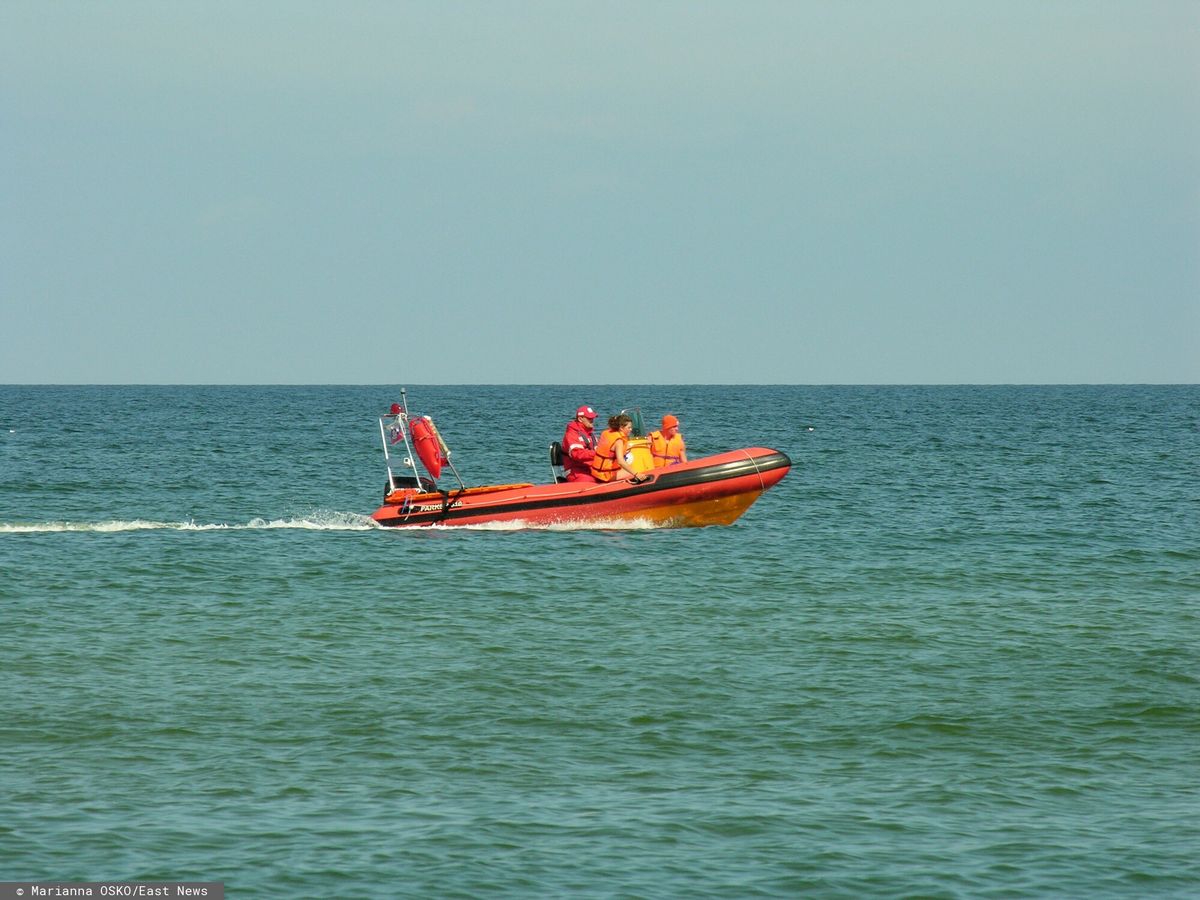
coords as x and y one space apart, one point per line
639 455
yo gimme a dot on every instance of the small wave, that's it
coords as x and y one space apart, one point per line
325 521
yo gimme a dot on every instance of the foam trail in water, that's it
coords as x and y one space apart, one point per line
322 521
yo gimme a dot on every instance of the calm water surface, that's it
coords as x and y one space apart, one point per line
954 653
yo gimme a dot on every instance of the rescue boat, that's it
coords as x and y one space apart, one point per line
714 490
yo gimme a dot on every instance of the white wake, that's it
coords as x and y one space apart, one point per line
323 521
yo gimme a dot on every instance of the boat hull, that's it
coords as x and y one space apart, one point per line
715 490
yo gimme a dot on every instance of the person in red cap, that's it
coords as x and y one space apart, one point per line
579 445
666 444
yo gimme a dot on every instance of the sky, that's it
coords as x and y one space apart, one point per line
600 193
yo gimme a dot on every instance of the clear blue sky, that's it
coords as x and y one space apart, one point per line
618 192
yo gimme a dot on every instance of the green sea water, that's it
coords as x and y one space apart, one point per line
955 653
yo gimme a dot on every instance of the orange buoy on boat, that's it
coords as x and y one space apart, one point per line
426 444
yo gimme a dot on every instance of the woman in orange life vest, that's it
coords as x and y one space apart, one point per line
610 464
666 445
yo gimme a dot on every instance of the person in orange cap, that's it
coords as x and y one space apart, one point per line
666 444
579 445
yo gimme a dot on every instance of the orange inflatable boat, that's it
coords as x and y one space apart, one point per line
714 490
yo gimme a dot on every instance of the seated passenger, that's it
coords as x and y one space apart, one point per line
578 445
666 444
610 463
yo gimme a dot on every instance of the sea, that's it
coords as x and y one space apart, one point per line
954 653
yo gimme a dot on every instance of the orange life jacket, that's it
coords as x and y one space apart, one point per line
605 466
666 451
